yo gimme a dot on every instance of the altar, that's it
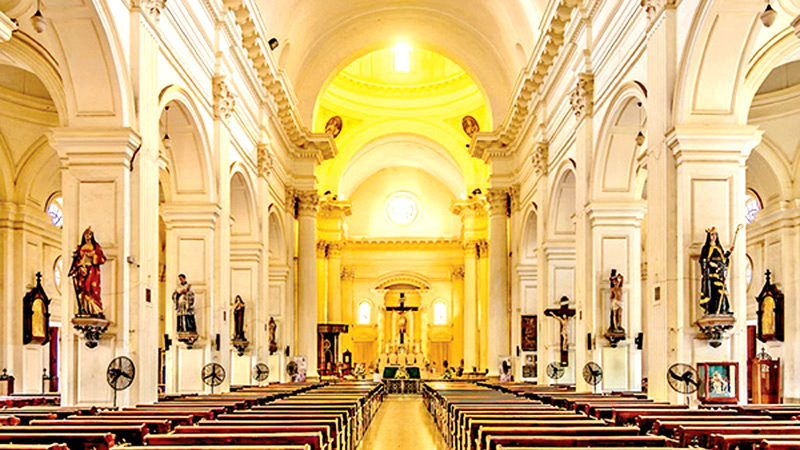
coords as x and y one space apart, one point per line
402 379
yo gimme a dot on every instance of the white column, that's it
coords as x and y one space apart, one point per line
498 335
470 305
96 186
334 283
307 287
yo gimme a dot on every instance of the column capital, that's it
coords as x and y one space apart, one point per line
718 143
151 8
334 209
348 273
457 272
7 28
322 249
191 215
335 249
95 146
307 202
224 99
473 206
540 156
498 199
266 160
796 25
581 98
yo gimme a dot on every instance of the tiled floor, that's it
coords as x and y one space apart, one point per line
402 423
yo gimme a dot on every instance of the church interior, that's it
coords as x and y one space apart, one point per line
380 224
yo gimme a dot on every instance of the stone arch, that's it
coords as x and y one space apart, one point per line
412 279
243 207
38 174
615 169
769 173
562 203
187 152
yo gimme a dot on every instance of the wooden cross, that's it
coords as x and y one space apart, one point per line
402 310
562 314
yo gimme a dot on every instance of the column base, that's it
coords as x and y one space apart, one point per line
715 327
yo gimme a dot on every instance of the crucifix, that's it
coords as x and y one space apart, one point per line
403 322
562 314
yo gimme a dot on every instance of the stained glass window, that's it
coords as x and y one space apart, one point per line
402 208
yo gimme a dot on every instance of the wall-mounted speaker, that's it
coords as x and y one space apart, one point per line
286 352
167 342
217 341
639 341
518 351
588 341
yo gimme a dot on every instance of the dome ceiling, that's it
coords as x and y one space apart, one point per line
491 40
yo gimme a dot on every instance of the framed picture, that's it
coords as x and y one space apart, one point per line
528 333
528 366
719 382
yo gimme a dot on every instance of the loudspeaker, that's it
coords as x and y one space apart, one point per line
216 341
588 341
286 352
167 342
518 351
639 341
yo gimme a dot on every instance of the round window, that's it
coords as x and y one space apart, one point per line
402 208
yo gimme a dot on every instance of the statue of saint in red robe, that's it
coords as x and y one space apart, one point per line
85 273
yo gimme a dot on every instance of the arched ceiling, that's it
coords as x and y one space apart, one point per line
403 118
490 39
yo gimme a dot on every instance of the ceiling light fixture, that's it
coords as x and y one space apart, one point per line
38 21
768 16
640 137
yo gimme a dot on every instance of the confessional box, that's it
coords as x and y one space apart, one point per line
766 380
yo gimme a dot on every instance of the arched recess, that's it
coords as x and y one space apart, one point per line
395 280
617 162
38 174
562 211
187 152
768 175
530 237
244 220
277 245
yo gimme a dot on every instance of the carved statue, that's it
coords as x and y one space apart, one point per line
273 342
616 280
714 261
85 273
183 300
238 319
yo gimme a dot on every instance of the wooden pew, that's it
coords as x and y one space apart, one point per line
214 447
646 421
74 441
699 435
153 425
470 432
489 433
513 441
130 434
743 441
769 444
337 435
325 437
9 420
311 439
177 417
669 428
33 447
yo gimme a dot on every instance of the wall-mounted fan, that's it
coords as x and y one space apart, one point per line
592 373
260 372
213 375
120 374
683 379
291 369
555 371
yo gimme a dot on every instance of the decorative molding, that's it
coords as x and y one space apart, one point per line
266 160
483 248
305 144
540 157
151 8
457 272
403 242
796 26
513 197
475 206
224 99
322 249
334 209
581 99
335 249
500 142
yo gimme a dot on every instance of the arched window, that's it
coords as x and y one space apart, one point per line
55 211
439 313
58 267
752 205
364 312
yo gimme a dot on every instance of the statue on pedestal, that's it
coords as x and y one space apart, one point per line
273 341
714 261
85 272
616 332
239 340
183 300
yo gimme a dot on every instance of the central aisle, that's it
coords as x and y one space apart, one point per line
402 423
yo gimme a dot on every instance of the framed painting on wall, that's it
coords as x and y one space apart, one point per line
719 382
528 333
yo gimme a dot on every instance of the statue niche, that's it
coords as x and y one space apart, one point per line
36 315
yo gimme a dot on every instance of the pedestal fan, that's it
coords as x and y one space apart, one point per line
592 374
555 371
213 375
683 379
120 374
260 372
